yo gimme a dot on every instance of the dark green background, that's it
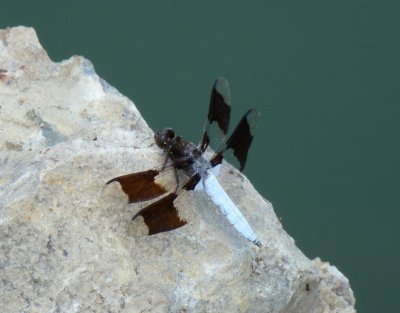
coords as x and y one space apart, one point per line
325 75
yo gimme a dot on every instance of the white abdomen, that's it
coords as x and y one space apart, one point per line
227 207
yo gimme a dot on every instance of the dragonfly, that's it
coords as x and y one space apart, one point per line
200 173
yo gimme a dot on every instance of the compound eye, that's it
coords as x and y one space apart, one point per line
163 137
168 134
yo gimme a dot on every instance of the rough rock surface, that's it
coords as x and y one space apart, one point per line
65 241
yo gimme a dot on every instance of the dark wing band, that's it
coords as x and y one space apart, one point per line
219 113
141 186
163 215
238 144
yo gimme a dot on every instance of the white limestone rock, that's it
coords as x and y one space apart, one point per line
65 240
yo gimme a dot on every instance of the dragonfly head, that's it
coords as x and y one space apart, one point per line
164 137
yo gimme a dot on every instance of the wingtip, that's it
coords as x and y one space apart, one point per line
111 181
221 85
257 243
136 215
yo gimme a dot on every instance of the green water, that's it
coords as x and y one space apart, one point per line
325 75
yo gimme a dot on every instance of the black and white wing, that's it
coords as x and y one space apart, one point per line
165 213
238 144
219 112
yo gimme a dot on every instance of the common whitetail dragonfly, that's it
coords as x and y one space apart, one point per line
164 214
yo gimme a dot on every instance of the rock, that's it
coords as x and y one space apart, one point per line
66 244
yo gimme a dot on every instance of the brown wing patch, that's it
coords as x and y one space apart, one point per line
140 186
163 215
